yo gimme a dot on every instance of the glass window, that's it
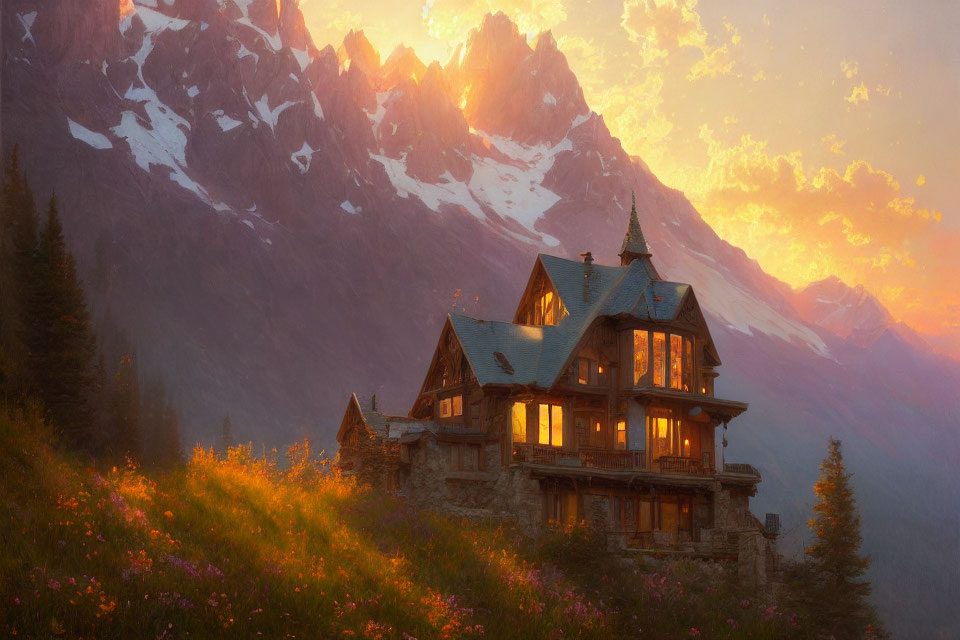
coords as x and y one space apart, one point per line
548 308
661 433
640 355
621 434
518 418
446 407
687 364
676 361
458 405
583 371
659 358
551 425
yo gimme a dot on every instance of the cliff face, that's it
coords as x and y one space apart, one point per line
277 224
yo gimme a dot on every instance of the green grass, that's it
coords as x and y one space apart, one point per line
242 549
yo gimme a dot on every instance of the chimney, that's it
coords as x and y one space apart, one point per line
373 402
587 272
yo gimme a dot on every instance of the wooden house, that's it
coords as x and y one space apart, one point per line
596 404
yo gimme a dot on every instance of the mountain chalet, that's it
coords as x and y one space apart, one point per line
595 404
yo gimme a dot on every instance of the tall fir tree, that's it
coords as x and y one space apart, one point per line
839 594
227 438
123 423
61 343
18 240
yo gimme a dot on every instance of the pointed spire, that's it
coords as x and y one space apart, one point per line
634 245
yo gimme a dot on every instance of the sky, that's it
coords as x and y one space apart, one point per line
820 137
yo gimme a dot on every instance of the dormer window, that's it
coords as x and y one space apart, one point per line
452 406
548 309
663 360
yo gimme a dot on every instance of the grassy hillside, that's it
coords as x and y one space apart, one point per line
242 549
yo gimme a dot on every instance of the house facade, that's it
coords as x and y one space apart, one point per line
596 404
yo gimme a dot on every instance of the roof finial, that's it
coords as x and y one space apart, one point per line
634 245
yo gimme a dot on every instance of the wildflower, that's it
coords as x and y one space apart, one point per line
732 623
694 631
53 585
770 612
16 601
168 514
745 604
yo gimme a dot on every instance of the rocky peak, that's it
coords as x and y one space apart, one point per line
510 89
357 51
402 64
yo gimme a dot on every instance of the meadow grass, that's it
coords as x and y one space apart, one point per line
238 547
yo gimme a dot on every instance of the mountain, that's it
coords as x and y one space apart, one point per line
277 224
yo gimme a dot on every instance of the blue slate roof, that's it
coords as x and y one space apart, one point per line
536 355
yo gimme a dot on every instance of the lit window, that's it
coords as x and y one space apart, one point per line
659 358
458 405
550 425
518 418
446 407
583 376
687 365
621 434
640 356
676 361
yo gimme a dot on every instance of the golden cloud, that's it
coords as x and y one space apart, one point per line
849 68
663 27
834 143
858 94
805 224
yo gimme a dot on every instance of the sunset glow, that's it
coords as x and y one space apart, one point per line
819 139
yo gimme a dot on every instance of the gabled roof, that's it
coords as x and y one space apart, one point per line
537 355
375 421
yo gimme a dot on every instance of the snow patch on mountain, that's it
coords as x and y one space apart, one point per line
301 158
273 39
738 308
272 116
317 109
226 122
92 138
26 21
302 56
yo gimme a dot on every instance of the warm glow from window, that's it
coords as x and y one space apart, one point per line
600 369
676 361
544 424
659 358
458 405
583 376
621 434
640 355
548 308
687 365
518 418
446 406
557 425
663 437
551 425
597 426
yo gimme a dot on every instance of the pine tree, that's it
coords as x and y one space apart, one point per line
61 340
124 426
18 240
226 436
169 448
839 596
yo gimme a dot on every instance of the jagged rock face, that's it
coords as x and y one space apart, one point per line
509 89
275 228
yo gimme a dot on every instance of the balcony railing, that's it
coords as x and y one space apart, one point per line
741 468
616 459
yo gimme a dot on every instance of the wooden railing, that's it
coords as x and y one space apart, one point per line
595 458
587 457
688 466
741 468
612 459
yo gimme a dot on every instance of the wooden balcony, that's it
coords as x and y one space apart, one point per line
687 466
